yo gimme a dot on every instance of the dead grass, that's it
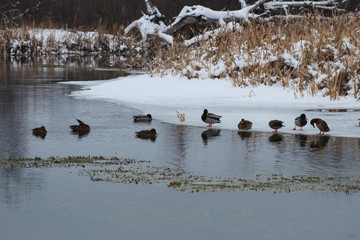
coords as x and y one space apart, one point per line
30 41
310 54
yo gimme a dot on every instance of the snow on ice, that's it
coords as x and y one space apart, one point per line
163 96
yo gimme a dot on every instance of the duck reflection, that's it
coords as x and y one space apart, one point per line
320 141
302 139
244 134
81 134
205 135
276 138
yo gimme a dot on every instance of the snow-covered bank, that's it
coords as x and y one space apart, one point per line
162 97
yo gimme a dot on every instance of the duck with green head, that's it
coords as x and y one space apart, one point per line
210 118
300 121
142 118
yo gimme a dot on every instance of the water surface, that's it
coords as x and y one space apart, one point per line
56 204
59 204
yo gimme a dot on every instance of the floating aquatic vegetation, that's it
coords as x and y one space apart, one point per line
130 171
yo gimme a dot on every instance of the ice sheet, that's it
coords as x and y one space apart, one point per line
163 96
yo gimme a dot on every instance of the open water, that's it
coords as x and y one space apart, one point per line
59 204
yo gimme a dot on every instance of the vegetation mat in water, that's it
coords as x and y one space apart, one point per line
129 171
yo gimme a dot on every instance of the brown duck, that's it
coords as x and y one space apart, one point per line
147 134
276 124
39 131
245 125
321 125
300 121
81 128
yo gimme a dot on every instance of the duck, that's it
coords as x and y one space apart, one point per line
321 125
147 134
245 124
143 118
300 121
210 118
39 131
81 128
276 124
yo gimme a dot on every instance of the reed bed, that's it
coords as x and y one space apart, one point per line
310 54
29 41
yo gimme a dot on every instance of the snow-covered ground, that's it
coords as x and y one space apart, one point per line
60 41
163 96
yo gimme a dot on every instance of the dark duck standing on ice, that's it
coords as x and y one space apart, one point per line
276 124
81 128
300 121
321 125
244 124
210 118
142 118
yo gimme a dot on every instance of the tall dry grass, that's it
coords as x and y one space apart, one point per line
33 41
310 54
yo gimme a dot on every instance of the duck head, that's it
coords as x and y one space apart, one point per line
313 121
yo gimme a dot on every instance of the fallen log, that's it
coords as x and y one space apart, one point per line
200 14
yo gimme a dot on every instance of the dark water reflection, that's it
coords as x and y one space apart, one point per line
18 186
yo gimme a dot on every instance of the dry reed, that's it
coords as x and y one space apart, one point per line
311 54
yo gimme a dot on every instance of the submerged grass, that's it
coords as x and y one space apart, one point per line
129 171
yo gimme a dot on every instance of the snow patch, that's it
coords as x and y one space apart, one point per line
162 97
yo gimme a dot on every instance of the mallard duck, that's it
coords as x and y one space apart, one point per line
39 131
276 124
147 134
321 125
300 121
210 118
81 128
244 124
142 118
